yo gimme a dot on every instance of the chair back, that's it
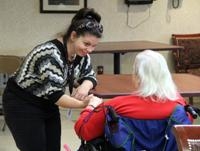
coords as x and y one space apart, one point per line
188 58
187 137
8 65
137 134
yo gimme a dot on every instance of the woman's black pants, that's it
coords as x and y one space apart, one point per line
34 127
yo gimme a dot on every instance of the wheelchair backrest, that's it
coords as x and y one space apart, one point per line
130 134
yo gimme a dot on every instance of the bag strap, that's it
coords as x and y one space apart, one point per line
169 125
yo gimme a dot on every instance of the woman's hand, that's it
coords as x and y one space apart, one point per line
81 92
95 101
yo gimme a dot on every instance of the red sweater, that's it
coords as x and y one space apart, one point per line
90 124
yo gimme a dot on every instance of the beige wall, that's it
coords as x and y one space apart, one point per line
22 26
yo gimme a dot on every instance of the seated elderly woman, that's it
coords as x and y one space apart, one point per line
156 98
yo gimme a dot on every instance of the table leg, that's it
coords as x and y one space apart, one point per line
191 100
116 63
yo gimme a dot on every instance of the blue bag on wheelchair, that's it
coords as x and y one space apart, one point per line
127 134
117 131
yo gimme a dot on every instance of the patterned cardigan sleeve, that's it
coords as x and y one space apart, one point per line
42 73
84 71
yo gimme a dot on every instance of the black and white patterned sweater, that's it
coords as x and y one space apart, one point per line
44 73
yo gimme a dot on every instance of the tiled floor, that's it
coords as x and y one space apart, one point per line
68 135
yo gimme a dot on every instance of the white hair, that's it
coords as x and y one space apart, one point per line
154 77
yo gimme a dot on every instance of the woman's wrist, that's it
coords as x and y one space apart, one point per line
87 84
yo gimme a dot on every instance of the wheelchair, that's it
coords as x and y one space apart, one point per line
104 143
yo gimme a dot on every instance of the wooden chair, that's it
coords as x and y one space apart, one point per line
187 60
187 137
8 65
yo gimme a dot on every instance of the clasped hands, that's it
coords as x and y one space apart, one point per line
89 100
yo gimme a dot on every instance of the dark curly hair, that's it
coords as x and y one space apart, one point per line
85 21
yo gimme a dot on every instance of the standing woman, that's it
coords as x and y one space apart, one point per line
34 93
